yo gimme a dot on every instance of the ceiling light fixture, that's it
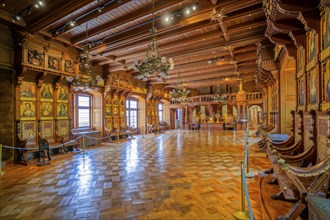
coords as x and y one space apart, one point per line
153 64
86 78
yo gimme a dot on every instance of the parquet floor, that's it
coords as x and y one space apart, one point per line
176 175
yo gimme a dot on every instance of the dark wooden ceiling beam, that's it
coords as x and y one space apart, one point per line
145 11
89 16
54 11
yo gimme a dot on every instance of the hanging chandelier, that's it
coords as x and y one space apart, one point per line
218 97
180 93
85 78
153 64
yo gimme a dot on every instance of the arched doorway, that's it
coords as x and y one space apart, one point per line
255 116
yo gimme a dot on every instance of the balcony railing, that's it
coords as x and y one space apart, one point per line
231 98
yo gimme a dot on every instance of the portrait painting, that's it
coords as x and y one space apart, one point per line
28 110
115 111
326 80
29 132
107 111
46 110
312 87
107 99
312 45
115 100
62 111
63 128
47 129
46 92
28 91
326 28
301 90
62 94
300 59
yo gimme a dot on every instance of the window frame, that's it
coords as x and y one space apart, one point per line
161 112
83 107
129 110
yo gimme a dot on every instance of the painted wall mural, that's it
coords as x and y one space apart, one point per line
63 128
46 110
46 92
29 132
62 94
28 110
62 111
47 130
28 91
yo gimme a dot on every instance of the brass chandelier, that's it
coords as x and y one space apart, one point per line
85 78
153 64
180 93
218 97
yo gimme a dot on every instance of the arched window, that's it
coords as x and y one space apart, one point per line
161 112
132 112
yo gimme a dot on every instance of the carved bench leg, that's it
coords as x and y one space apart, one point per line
294 212
273 181
278 196
269 171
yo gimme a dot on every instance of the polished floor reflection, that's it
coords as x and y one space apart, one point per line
176 175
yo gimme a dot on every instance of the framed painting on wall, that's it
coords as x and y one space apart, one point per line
63 128
28 110
28 91
107 111
326 81
62 111
29 132
47 128
312 86
325 26
300 61
107 99
312 49
301 92
108 123
46 93
62 94
46 110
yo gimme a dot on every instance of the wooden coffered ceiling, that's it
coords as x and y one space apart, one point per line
204 51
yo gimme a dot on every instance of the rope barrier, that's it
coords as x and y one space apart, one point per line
242 214
247 195
36 148
1 172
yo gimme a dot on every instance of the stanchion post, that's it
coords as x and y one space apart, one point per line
143 131
248 174
83 144
1 172
242 214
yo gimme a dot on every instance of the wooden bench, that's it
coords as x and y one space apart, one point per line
22 155
288 190
313 185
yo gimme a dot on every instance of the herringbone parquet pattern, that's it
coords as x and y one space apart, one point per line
176 175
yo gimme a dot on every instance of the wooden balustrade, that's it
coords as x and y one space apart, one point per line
208 99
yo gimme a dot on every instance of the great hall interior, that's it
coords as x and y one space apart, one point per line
165 109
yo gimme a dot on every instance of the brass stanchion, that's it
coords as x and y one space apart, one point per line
242 214
83 144
248 174
1 172
118 135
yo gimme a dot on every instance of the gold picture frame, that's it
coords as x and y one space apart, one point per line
28 110
28 91
46 93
